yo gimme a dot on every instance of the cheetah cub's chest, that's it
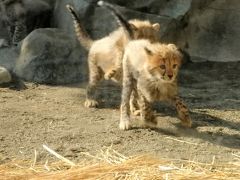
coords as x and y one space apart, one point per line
156 90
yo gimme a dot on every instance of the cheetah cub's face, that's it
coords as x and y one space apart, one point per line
163 62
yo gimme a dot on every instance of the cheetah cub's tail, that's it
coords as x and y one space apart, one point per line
81 33
128 28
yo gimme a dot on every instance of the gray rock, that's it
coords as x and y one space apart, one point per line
50 56
39 13
213 31
5 75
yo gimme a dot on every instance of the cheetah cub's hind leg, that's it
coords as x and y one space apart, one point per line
183 112
95 76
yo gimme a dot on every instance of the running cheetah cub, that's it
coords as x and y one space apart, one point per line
151 70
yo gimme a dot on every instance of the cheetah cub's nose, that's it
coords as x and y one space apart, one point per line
170 76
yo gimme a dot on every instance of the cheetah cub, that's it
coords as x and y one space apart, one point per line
105 54
151 70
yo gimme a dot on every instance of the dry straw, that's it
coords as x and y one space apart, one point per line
109 164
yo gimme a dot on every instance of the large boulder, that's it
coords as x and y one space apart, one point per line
50 56
212 30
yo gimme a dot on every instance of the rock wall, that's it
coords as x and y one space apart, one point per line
206 29
212 30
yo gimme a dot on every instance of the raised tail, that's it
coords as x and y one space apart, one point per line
119 17
81 33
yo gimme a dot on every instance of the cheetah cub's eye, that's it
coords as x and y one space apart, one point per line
174 66
162 66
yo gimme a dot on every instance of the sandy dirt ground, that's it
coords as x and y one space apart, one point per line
55 116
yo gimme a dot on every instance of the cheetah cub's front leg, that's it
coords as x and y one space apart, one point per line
91 101
117 67
125 118
146 112
127 89
183 112
95 75
134 103
125 107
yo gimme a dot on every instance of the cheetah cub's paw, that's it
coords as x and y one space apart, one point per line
136 112
124 124
187 123
89 103
108 75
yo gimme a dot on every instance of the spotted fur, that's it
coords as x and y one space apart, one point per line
152 69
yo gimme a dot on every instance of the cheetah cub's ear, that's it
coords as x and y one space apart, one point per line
178 54
156 26
133 27
148 51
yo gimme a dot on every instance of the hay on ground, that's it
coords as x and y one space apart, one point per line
109 164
